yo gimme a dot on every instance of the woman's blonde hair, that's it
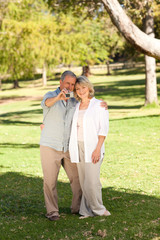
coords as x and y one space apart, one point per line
84 81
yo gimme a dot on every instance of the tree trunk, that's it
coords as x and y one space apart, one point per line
150 62
44 75
151 83
141 41
86 71
15 84
108 68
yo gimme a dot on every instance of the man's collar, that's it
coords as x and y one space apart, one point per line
58 90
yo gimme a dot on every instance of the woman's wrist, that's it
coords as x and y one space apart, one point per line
98 149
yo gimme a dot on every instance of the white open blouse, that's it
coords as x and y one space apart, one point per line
95 123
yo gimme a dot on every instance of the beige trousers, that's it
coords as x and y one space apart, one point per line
89 177
51 162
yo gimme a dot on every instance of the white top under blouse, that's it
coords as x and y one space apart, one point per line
95 123
80 125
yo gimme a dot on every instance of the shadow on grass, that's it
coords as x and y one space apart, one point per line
136 117
123 71
22 201
21 113
122 83
12 97
19 123
124 107
17 145
115 91
14 117
21 194
129 71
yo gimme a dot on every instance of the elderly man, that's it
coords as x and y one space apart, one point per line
58 110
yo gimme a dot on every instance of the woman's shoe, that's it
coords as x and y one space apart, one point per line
82 217
106 213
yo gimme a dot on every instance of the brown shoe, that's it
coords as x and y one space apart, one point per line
54 218
75 212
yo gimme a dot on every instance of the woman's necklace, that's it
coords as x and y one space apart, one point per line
84 105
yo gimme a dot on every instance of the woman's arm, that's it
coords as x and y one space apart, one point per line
102 133
97 152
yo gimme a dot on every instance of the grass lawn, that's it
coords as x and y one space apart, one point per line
129 173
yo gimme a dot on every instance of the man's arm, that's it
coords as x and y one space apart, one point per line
51 101
61 96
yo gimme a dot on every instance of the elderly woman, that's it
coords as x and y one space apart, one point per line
89 128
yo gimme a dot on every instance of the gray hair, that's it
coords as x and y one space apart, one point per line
67 73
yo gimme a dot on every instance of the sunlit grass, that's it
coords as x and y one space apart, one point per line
129 173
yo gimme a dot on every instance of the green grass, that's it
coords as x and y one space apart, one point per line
129 174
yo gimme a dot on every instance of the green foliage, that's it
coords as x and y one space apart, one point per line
87 41
27 38
17 49
156 10
87 8
137 10
98 40
26 9
33 37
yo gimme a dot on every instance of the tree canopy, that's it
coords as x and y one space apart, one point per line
31 36
141 41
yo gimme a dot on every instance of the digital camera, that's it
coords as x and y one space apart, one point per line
69 95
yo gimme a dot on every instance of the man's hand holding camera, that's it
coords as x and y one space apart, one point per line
65 94
62 94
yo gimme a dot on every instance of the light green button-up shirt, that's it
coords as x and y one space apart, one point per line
57 121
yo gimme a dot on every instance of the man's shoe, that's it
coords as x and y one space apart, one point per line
74 212
53 218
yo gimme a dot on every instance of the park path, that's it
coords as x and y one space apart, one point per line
16 99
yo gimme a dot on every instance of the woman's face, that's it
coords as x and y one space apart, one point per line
82 91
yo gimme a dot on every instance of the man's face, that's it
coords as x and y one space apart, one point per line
68 83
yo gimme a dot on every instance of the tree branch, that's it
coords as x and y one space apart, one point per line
141 41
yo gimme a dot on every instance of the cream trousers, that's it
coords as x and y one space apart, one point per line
51 162
89 177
